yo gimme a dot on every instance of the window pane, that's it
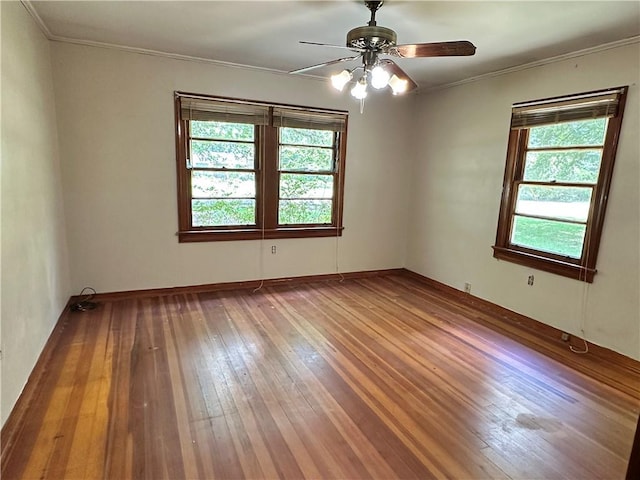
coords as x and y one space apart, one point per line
223 212
549 236
294 185
301 136
584 132
311 159
222 154
222 130
304 211
205 184
568 203
563 166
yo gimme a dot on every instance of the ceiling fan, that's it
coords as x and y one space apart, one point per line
371 42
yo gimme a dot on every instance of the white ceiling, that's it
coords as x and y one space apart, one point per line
265 34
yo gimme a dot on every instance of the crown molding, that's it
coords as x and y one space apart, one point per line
32 11
158 53
177 56
142 51
538 63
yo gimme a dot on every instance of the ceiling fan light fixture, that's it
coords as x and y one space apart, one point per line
379 77
398 85
372 41
339 80
359 91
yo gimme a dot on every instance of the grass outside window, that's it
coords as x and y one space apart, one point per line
560 159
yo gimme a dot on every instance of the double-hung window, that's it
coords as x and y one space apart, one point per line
560 160
249 170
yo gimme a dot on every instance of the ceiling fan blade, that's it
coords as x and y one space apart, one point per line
319 65
394 69
333 46
435 49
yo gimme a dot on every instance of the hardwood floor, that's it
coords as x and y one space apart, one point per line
378 377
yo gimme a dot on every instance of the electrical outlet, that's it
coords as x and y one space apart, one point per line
530 280
273 249
467 287
564 337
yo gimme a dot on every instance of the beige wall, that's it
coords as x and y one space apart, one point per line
115 116
34 263
423 182
460 143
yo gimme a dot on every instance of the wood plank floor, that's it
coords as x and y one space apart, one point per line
367 378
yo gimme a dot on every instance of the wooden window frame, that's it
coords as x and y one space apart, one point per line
584 268
267 179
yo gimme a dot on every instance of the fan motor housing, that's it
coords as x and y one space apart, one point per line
371 36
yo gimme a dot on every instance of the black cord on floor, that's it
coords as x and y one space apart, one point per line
85 302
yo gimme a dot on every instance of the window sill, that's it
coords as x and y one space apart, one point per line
539 262
187 236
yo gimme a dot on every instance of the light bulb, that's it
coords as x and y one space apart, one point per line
360 89
339 80
379 77
398 85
